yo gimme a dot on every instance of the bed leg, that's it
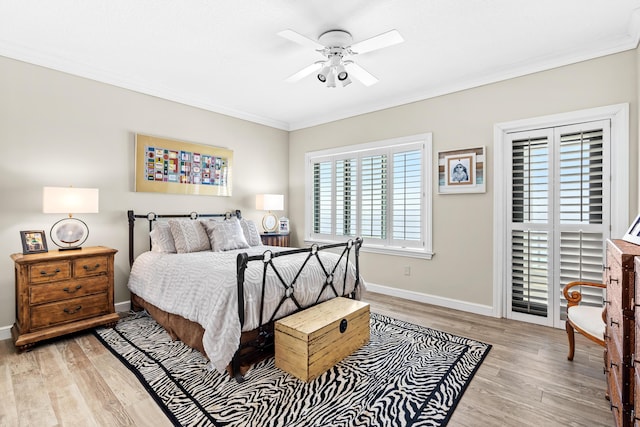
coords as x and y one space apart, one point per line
235 369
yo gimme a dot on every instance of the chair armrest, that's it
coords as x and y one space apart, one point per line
574 297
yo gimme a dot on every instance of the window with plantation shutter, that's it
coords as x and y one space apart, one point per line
378 191
559 194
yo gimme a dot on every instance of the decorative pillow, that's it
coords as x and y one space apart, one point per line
189 236
251 233
161 238
226 235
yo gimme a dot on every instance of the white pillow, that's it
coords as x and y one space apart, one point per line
161 238
189 236
251 233
225 235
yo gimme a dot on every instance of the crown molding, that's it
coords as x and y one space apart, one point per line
534 65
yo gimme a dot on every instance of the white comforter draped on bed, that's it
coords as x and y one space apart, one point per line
202 287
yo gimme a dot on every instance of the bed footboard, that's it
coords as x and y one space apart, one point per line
263 342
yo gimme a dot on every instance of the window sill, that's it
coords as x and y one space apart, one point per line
384 250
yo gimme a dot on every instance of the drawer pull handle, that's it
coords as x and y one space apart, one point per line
45 274
89 268
613 365
613 322
74 310
605 267
611 280
72 291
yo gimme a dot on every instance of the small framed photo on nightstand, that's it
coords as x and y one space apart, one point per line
284 225
33 242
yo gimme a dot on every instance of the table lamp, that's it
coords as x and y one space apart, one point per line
69 233
270 202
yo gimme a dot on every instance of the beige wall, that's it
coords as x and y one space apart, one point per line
60 130
461 270
56 129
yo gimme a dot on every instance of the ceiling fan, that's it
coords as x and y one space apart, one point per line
335 46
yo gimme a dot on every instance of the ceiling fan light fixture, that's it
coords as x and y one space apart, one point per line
331 78
336 46
341 73
324 73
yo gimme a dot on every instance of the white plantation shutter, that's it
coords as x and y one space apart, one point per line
373 215
530 224
407 196
376 191
583 219
560 217
530 273
346 197
322 201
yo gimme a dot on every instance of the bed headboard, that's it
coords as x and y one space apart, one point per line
152 216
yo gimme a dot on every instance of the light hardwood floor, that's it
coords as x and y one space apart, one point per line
526 380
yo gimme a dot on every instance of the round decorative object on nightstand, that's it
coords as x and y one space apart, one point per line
69 233
270 222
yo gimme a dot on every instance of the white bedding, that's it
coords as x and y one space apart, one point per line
202 287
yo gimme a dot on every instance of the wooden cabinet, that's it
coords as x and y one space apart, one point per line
619 276
635 413
275 239
60 292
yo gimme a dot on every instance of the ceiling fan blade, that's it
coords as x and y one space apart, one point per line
304 72
365 77
377 42
300 39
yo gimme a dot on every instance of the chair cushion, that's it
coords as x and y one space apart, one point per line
589 319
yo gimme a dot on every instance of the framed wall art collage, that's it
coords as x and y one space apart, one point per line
169 166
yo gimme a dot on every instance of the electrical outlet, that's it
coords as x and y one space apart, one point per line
407 271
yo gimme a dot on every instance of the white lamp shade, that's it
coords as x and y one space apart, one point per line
269 202
69 200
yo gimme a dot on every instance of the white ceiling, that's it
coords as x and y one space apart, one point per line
225 56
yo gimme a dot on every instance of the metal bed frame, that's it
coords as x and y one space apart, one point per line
261 345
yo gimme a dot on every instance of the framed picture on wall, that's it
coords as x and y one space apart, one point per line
33 241
178 167
633 234
462 171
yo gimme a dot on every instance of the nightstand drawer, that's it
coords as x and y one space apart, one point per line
66 290
50 271
92 266
67 311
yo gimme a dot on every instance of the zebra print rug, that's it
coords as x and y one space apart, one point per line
407 375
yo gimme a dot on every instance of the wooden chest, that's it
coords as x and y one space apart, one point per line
313 340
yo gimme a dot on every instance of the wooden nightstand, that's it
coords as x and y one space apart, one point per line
60 292
275 239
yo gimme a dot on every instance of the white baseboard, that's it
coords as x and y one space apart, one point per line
123 306
484 310
5 331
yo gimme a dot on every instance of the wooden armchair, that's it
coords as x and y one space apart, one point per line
588 320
